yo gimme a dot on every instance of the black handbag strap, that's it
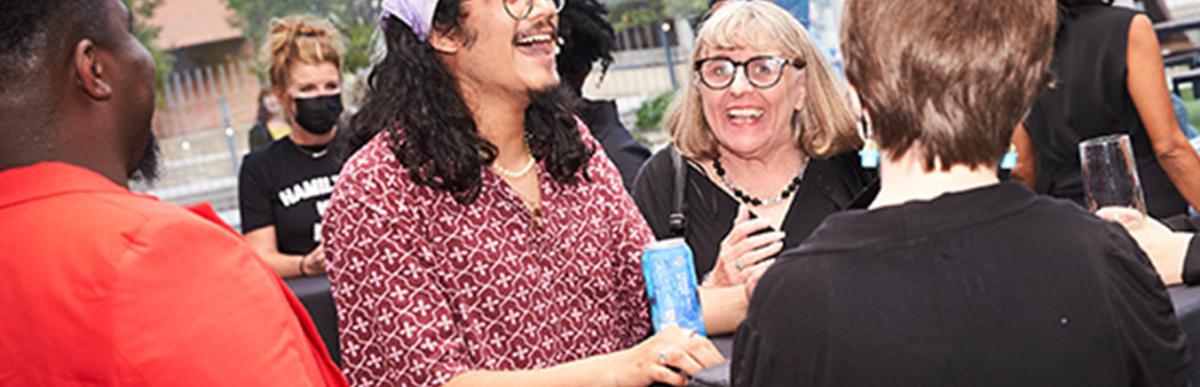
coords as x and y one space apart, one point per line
678 221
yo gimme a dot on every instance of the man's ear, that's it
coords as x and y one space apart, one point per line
90 74
446 43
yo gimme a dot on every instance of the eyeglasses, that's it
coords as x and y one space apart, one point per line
763 72
521 9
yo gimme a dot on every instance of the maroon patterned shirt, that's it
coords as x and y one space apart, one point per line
427 288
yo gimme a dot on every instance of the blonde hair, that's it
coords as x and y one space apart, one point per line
300 39
824 128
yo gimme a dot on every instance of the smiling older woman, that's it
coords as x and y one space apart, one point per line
768 138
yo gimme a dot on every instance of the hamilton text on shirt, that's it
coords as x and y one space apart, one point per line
308 189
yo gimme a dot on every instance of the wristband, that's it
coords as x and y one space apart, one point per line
302 273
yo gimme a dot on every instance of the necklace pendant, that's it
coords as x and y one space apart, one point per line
537 220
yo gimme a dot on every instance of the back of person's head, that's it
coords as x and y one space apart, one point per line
72 68
948 79
300 39
587 37
824 127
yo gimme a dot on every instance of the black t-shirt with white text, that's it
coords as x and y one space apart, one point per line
287 186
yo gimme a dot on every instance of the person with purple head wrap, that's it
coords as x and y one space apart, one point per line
417 14
478 234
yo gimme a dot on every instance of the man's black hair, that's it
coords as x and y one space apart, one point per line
30 30
588 37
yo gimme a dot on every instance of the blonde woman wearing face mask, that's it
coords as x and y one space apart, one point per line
284 187
767 139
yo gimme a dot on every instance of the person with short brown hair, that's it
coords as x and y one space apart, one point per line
951 277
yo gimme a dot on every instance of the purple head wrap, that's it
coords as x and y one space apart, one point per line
418 14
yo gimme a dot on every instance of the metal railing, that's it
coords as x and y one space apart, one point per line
202 123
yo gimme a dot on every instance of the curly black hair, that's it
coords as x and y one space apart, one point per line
588 36
414 97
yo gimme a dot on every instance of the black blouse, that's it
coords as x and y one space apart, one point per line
827 186
989 287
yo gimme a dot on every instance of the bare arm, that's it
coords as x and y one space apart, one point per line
1146 83
724 308
635 367
1026 169
1167 250
262 240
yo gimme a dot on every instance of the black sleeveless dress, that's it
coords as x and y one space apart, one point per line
1090 99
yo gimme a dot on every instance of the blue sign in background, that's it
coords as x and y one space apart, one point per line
798 8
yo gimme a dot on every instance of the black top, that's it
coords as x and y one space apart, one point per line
1191 262
1090 99
828 186
284 186
602 119
259 136
989 287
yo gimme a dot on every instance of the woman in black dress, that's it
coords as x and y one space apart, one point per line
1108 80
767 138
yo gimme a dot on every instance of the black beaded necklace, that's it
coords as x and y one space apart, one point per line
746 198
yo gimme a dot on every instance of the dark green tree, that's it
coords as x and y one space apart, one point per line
356 19
633 13
142 11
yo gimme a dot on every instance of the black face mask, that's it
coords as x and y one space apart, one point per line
318 115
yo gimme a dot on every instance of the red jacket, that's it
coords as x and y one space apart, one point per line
101 286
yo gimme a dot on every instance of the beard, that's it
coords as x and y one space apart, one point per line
147 170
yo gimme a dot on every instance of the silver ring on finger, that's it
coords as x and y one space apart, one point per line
662 357
737 264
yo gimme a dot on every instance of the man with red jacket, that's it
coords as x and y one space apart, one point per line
101 286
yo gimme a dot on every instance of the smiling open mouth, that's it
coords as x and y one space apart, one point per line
537 40
743 115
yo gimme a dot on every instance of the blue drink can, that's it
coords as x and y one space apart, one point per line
671 285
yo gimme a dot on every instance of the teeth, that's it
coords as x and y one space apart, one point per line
744 113
535 39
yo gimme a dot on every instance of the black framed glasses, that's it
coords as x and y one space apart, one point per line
521 9
763 71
